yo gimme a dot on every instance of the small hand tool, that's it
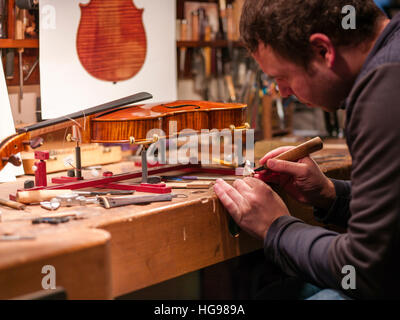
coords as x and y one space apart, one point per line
73 199
104 193
57 219
67 200
108 202
37 196
12 204
15 237
50 205
182 178
51 220
301 151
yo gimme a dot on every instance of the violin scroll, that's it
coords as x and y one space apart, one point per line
12 145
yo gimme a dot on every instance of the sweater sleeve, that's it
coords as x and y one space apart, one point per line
339 212
300 250
371 242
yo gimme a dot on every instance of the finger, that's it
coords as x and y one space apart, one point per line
296 169
236 196
309 161
241 186
253 182
231 199
228 203
274 153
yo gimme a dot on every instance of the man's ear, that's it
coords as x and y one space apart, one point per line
323 48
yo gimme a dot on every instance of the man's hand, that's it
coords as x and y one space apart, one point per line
303 180
252 204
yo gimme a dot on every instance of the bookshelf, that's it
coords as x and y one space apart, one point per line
25 43
221 47
14 40
212 44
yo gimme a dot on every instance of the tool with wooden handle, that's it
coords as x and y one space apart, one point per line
298 152
12 204
36 196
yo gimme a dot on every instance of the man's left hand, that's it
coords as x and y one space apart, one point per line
252 204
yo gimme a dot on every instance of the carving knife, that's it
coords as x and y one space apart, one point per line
298 152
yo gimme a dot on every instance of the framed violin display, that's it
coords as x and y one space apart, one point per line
111 40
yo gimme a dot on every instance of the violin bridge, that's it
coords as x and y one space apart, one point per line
245 126
146 141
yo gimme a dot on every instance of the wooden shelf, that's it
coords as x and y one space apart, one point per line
26 43
213 44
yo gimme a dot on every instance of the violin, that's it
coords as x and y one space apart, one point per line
121 122
111 40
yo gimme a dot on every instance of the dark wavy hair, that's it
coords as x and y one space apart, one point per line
286 25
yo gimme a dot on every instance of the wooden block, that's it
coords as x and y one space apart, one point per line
81 259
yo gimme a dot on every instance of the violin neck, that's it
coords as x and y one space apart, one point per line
87 112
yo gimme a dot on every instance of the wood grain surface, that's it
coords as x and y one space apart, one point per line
112 252
111 39
137 121
81 258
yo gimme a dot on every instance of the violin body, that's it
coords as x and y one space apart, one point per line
137 121
121 122
111 40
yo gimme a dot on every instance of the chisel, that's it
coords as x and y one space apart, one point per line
301 151
12 204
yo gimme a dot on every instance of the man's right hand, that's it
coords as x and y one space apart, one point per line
303 180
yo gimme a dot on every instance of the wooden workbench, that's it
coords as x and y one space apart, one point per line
113 252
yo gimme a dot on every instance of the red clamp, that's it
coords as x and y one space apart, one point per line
40 172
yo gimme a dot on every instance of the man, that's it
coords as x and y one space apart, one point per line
303 45
383 4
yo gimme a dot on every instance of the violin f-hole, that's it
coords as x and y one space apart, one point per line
182 106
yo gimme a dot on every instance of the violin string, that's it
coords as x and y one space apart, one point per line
66 129
84 120
73 120
65 137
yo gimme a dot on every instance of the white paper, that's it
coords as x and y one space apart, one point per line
67 87
7 128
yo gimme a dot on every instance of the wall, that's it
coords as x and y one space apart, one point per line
28 104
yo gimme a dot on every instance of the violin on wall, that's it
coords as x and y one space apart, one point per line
111 40
121 122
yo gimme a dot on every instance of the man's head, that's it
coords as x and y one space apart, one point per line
302 44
